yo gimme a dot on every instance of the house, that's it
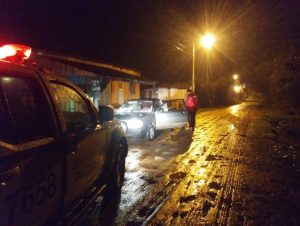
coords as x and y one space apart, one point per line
164 90
103 83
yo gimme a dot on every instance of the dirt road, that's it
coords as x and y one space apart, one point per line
240 167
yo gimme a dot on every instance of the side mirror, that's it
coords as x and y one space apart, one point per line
106 113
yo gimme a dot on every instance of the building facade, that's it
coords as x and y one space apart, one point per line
103 83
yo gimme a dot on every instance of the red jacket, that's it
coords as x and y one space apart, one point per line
191 102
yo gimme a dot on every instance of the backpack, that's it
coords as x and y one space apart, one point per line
191 103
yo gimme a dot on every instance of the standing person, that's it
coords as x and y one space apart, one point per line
191 104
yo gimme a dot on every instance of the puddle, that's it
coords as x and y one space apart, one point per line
183 214
177 176
192 161
211 194
210 158
187 199
204 149
214 185
206 207
175 214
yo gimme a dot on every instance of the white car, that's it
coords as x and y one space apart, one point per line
144 117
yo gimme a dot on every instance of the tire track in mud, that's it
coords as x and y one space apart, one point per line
196 153
151 205
213 201
146 212
230 209
226 211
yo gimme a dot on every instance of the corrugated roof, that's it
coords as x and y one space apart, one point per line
100 68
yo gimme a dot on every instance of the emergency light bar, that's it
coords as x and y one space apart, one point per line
15 53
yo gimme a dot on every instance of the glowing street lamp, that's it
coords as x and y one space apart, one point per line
207 41
235 77
237 88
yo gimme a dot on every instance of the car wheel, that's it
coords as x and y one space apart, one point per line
116 178
151 132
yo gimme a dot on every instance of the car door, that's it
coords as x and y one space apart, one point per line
172 114
31 161
84 141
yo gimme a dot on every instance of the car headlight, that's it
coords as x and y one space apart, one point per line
124 126
135 124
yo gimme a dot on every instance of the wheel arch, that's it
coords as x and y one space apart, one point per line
117 137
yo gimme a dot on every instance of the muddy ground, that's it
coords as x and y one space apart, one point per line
240 167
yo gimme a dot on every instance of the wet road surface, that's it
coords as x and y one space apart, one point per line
240 167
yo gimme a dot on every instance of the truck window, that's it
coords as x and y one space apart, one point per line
23 110
74 108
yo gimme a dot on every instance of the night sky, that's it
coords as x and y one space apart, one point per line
145 34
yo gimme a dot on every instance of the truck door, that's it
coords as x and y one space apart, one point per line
31 163
84 142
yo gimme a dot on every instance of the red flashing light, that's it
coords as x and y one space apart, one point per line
15 53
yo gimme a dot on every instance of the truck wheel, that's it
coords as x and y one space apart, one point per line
116 178
151 133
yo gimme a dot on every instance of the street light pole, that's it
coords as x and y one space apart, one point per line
193 69
207 41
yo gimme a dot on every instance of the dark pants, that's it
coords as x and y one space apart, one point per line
191 118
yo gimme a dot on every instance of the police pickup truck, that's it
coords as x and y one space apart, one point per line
57 151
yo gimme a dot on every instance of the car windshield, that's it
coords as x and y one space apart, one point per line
136 106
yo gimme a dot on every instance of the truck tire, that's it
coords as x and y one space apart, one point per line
116 177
